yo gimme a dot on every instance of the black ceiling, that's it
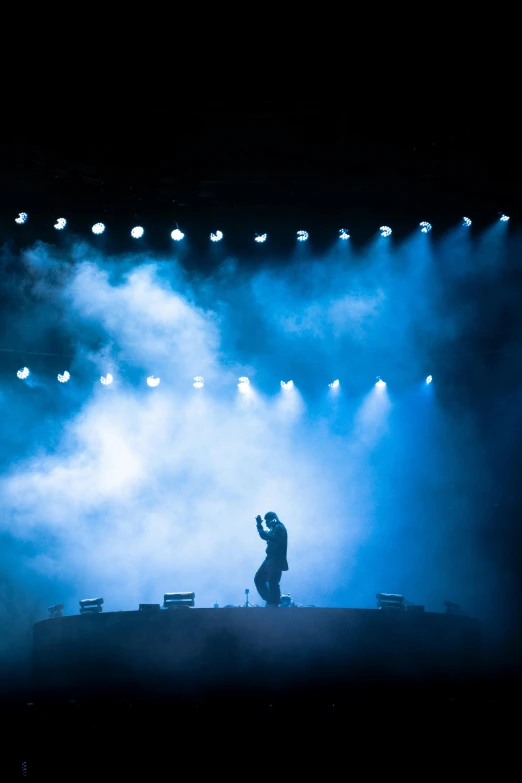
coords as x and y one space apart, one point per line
148 160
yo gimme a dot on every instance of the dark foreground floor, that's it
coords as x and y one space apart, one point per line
306 736
320 694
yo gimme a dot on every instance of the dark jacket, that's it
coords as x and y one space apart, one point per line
277 538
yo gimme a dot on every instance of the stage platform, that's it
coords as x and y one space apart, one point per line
259 654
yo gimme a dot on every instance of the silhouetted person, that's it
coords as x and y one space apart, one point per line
269 573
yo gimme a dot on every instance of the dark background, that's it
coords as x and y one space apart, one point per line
254 160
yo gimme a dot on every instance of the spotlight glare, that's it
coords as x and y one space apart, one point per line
344 233
22 218
177 235
380 383
429 379
334 384
467 221
287 384
137 232
243 384
60 224
198 382
385 231
260 237
98 228
217 237
504 218
106 380
23 373
302 236
425 227
152 381
64 378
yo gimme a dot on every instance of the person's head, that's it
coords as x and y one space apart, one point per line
271 518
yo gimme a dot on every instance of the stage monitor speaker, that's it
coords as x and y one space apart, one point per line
91 605
175 600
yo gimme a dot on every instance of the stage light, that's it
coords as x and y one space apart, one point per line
425 227
260 237
64 378
105 381
302 236
287 384
23 373
429 379
243 384
385 231
91 605
198 382
137 232
334 384
60 224
504 218
344 233
22 218
390 601
177 235
380 383
177 600
98 228
467 222
152 381
217 237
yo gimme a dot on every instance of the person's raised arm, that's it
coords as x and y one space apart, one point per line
275 532
265 534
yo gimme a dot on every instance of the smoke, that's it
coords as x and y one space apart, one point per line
147 490
127 491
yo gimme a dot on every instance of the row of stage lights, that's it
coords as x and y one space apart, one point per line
198 383
216 236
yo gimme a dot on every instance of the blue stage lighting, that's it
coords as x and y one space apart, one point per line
106 380
425 227
380 383
287 384
198 382
429 379
217 237
344 233
98 228
60 224
22 218
467 221
504 218
385 231
260 237
137 232
63 378
177 235
152 381
302 236
23 373
334 384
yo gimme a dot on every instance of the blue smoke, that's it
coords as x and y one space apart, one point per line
127 491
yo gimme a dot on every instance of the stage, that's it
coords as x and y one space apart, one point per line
262 655
140 693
